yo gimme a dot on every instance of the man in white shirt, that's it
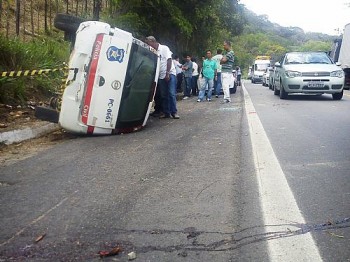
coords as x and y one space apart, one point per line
179 74
167 79
195 75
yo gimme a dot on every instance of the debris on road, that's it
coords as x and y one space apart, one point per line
115 251
39 238
132 256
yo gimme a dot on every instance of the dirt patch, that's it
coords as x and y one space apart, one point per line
10 154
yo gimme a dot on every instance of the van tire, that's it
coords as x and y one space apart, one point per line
46 114
67 23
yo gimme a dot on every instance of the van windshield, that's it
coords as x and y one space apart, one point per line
138 87
261 67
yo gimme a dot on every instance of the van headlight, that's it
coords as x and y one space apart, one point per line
293 74
338 73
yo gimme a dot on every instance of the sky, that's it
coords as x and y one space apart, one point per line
317 16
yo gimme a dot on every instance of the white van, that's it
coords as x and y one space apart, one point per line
111 83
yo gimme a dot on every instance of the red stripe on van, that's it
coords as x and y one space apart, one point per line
91 79
90 130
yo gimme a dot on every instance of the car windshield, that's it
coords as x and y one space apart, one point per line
307 58
138 87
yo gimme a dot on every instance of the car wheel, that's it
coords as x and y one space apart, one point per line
275 91
46 114
233 89
283 93
67 23
338 96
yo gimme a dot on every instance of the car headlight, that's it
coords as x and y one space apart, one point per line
338 73
293 74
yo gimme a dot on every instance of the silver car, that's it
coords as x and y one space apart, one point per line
310 73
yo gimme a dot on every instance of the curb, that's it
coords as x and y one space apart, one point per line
20 135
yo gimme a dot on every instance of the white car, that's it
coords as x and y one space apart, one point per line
309 73
111 84
266 77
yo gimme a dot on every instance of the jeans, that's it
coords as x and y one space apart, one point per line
218 84
210 83
168 95
195 85
172 94
188 82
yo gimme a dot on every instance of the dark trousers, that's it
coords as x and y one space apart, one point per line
195 85
179 78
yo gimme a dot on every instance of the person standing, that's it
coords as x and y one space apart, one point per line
187 69
195 75
167 79
209 73
226 70
179 74
217 82
239 75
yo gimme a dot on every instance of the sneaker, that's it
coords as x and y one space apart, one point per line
185 97
175 116
217 96
162 116
198 100
227 101
208 99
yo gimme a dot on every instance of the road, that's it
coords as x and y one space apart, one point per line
310 137
192 189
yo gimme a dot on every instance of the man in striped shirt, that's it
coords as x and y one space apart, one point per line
226 71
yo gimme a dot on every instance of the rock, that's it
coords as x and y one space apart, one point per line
132 256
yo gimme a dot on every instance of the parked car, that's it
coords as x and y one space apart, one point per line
272 77
266 77
111 84
310 73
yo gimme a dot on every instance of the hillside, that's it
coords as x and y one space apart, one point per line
262 37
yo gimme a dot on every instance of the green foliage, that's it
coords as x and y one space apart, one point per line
16 55
313 45
192 26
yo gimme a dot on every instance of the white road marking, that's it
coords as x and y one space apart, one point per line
280 210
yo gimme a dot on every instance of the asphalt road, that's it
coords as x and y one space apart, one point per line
310 136
188 189
171 192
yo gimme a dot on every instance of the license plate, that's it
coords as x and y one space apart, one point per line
315 84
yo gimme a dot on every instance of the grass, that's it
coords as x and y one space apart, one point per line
44 53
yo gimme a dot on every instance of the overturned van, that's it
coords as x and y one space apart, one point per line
111 83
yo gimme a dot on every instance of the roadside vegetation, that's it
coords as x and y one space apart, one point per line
45 53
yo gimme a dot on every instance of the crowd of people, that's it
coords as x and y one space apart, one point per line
213 74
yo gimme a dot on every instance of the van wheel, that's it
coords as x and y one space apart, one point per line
67 23
46 114
338 96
